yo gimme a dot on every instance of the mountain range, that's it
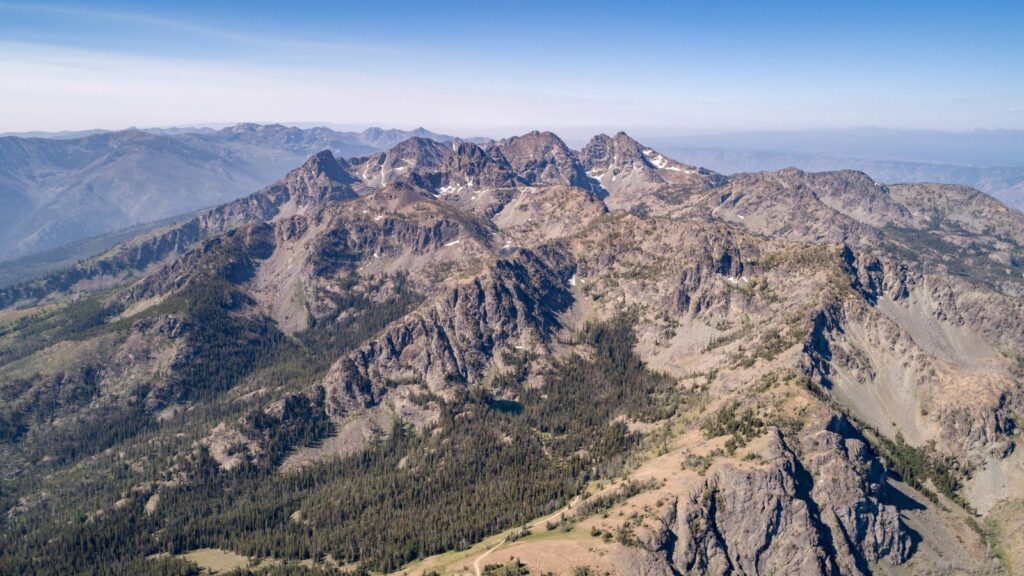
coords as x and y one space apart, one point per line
60 190
1003 182
498 357
70 190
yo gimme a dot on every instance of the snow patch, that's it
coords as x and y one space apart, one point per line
659 161
453 242
730 279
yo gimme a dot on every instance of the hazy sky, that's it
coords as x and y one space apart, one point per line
493 68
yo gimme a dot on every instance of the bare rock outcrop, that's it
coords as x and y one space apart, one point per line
817 513
514 303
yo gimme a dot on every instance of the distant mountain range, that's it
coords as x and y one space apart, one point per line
63 187
67 187
1003 182
978 148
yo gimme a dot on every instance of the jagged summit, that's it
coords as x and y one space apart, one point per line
473 165
413 155
326 164
323 178
532 159
618 152
632 173
542 158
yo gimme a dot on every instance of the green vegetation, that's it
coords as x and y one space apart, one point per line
513 568
52 424
31 333
731 420
971 261
586 571
698 464
743 424
488 464
725 339
516 567
597 504
915 465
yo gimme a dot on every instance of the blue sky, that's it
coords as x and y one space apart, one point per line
494 68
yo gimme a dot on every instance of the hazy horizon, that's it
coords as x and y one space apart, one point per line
575 68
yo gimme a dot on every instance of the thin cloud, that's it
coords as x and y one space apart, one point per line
214 33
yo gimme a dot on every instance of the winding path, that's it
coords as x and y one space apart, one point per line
559 512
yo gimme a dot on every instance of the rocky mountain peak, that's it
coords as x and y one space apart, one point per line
542 158
473 165
324 165
634 176
414 155
603 152
536 142
622 139
597 152
621 153
323 178
419 151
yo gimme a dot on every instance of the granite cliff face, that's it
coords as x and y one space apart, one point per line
843 355
819 514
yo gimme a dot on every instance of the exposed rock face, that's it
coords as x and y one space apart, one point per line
815 514
536 216
700 286
436 166
541 158
848 485
902 360
785 204
462 172
959 208
233 256
636 177
470 163
322 179
229 447
454 340
415 155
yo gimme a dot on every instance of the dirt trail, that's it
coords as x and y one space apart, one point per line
559 512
